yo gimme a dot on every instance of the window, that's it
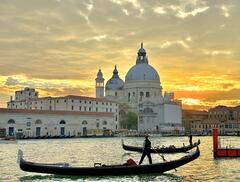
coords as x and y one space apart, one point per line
96 102
72 100
96 109
129 95
11 121
97 124
110 109
57 101
85 102
62 122
65 101
104 122
90 108
84 122
115 93
85 108
147 94
106 109
90 102
80 108
38 121
72 108
80 101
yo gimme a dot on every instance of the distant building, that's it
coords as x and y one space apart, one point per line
80 114
191 117
226 119
141 93
36 123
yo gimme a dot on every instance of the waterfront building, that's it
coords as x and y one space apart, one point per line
141 93
28 107
226 119
191 117
37 123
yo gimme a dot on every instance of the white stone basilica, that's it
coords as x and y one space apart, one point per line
142 93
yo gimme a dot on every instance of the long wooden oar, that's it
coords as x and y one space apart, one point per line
163 158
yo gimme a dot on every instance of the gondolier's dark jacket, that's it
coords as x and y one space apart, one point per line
147 145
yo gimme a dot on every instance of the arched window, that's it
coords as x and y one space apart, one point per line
38 121
147 110
129 96
62 122
11 121
104 122
147 94
84 122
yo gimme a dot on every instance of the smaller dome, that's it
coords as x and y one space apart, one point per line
115 83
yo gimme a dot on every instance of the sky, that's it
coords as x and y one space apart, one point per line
57 46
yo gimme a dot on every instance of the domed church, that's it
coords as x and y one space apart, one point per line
142 93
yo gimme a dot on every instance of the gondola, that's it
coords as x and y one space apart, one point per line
106 170
170 149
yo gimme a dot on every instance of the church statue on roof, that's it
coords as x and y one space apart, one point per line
142 94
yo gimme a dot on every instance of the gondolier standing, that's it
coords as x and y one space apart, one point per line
146 150
190 139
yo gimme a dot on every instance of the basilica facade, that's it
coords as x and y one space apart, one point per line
141 93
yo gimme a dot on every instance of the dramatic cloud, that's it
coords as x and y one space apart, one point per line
57 46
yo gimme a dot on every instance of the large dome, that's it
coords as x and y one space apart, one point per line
115 83
142 70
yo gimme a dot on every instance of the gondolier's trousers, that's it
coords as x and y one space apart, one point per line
148 154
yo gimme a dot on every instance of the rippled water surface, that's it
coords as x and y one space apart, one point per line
86 151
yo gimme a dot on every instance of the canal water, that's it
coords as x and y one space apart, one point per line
86 151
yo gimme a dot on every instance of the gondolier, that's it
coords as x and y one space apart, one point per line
146 150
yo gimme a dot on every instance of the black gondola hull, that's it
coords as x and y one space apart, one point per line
111 170
162 150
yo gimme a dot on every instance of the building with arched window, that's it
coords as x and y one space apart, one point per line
142 93
38 123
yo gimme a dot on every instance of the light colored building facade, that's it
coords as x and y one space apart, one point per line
142 94
51 109
37 123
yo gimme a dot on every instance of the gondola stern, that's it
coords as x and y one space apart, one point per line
19 156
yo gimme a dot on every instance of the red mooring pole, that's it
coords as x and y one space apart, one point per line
215 141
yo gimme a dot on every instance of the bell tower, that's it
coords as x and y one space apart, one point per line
99 85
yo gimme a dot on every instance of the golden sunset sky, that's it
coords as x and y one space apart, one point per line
57 46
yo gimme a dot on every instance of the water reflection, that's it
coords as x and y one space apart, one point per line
84 152
132 178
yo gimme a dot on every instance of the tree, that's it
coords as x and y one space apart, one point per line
129 121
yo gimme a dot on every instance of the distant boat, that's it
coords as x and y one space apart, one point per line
170 149
105 170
